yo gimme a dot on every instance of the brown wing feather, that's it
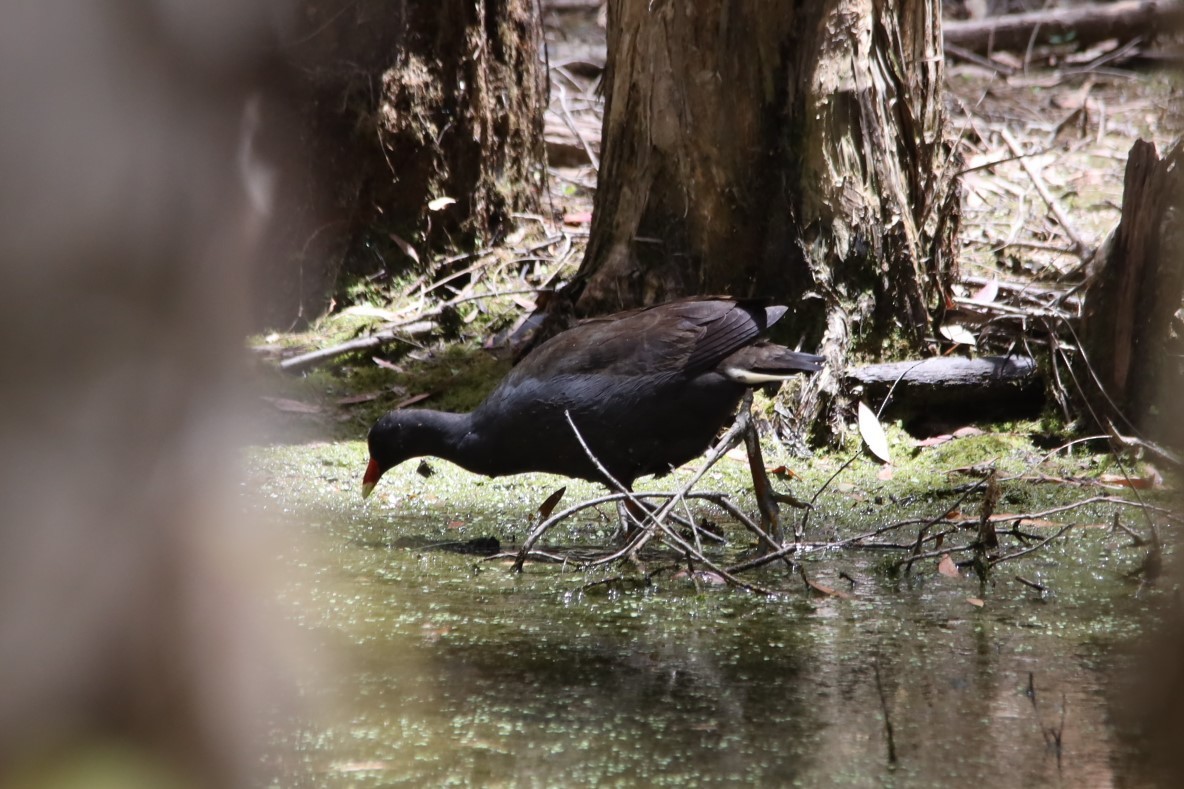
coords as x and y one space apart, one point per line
676 337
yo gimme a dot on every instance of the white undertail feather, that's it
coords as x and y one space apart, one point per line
753 378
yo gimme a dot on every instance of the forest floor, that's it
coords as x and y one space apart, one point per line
1044 145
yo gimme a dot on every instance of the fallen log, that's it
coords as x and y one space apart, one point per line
952 388
1086 24
304 361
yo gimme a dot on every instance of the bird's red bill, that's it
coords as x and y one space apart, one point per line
370 478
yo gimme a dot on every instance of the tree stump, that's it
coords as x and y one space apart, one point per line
1132 335
793 150
397 105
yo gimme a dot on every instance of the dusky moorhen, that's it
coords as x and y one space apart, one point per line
648 390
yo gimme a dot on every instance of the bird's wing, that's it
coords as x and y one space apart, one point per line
676 337
725 326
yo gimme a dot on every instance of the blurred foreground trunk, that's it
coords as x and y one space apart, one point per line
138 645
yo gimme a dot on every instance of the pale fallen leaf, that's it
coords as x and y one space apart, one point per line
946 566
959 334
384 364
872 433
1123 481
826 590
962 432
976 602
294 406
408 250
440 202
412 399
987 293
365 397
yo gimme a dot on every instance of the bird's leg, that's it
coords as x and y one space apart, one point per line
632 519
766 499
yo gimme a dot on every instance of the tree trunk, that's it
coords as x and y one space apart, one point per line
1132 329
792 150
399 104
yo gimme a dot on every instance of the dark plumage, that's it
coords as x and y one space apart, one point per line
648 389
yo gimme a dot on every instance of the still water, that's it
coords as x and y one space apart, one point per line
451 670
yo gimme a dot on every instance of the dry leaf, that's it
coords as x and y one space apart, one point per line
384 364
440 202
987 293
366 397
782 472
548 506
294 406
826 590
817 587
872 433
738 453
412 399
946 567
1123 481
958 334
962 432
975 601
408 250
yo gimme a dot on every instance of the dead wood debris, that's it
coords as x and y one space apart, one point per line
1084 25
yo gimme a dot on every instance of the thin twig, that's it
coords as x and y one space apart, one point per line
1080 249
656 518
1028 550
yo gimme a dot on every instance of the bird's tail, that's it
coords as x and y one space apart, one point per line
765 362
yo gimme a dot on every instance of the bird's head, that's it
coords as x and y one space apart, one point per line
402 435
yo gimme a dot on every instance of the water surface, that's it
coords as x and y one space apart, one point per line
453 670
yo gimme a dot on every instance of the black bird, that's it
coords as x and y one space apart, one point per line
648 390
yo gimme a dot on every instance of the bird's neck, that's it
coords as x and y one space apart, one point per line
451 437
